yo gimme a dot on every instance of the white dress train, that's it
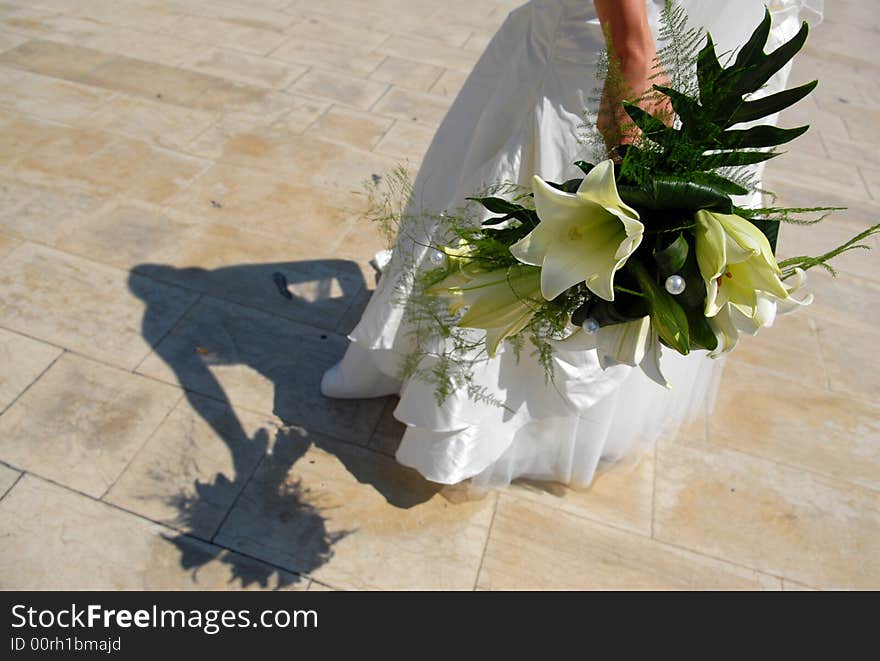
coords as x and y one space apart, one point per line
518 115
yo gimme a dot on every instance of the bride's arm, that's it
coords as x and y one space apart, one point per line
625 23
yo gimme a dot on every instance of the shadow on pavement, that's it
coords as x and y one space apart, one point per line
294 523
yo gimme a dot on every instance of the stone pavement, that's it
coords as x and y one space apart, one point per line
160 422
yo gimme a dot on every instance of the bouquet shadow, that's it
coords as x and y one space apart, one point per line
248 315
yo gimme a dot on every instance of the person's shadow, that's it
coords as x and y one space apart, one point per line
286 321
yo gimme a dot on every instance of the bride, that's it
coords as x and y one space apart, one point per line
517 115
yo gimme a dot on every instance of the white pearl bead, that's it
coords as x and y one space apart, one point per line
437 257
675 284
590 325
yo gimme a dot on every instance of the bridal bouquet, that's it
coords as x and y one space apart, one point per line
641 253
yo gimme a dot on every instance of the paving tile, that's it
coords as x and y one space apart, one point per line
791 586
299 114
821 173
854 152
407 73
147 45
60 151
779 520
127 233
429 52
159 123
621 494
152 17
263 363
798 424
264 14
218 32
194 466
850 360
830 233
845 299
48 98
48 213
82 422
22 136
358 129
156 81
314 586
78 304
407 140
478 41
94 546
386 437
15 194
235 65
807 111
316 27
8 478
303 112
7 244
789 349
532 546
407 104
447 32
322 54
345 515
9 40
341 88
148 173
363 238
24 360
871 176
54 59
859 213
314 217
449 83
304 159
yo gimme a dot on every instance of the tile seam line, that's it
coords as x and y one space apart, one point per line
825 477
37 378
219 529
486 543
177 322
148 437
12 486
160 524
679 547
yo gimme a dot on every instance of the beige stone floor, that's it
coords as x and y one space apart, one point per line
160 422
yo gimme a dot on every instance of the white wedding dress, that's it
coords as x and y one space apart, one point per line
518 114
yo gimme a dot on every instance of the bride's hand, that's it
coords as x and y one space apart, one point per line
632 73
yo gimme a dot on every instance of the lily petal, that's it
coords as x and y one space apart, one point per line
650 364
600 186
711 246
587 252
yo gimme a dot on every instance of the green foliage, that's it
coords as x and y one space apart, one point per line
667 316
702 146
806 262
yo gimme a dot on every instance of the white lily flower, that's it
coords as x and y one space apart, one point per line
734 319
501 302
736 262
581 237
629 343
